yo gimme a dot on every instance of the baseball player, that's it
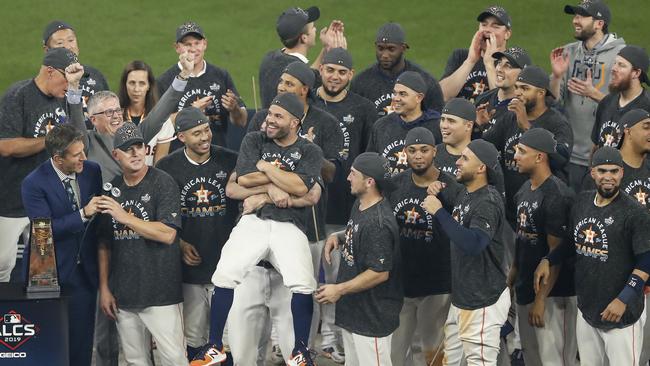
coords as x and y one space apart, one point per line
479 296
629 71
470 72
273 233
426 265
139 257
377 82
456 124
387 136
201 171
546 314
368 290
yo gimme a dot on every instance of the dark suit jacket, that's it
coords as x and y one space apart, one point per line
44 196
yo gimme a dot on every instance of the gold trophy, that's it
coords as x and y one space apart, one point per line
42 259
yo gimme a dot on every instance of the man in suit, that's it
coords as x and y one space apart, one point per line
65 188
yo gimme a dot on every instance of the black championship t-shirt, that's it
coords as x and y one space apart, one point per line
144 272
476 82
477 281
445 161
607 241
302 157
426 265
389 134
500 107
541 212
371 243
356 116
607 131
505 136
208 215
92 82
24 112
214 82
271 68
377 86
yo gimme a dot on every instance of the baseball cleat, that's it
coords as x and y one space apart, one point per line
276 355
334 354
301 357
209 355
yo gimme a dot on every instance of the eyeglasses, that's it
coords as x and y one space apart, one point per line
111 112
59 70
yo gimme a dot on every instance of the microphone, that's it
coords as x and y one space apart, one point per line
110 190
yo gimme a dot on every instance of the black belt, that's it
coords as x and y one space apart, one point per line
265 264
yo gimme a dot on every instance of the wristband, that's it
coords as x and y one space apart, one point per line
633 289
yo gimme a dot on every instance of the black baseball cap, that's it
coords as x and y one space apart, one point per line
376 167
128 134
488 155
498 12
391 33
54 27
535 76
539 139
302 72
188 28
632 117
517 56
420 135
290 103
338 56
638 57
190 117
291 22
590 8
607 155
59 58
460 107
412 80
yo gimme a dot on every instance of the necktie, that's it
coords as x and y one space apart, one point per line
71 196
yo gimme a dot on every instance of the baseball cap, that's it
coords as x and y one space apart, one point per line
54 27
302 72
190 117
535 76
460 107
539 139
188 28
291 22
632 117
591 8
338 56
128 134
498 12
420 135
412 80
391 33
638 57
488 155
607 155
376 167
290 103
517 56
59 58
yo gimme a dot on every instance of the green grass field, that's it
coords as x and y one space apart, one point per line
112 33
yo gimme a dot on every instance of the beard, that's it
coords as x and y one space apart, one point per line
420 171
585 34
333 93
622 85
530 105
607 193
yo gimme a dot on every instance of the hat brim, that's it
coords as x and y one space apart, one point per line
573 10
481 17
179 39
125 146
313 13
498 55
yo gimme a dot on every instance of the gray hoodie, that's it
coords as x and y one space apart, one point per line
581 111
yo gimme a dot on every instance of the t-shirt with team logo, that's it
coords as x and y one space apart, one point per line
445 161
25 112
371 242
505 136
389 134
426 265
144 272
500 107
377 86
635 182
477 80
607 131
356 116
215 82
302 157
607 241
208 215
477 281
541 212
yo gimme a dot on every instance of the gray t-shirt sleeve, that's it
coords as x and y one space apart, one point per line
249 154
379 256
556 211
310 165
168 206
486 218
11 117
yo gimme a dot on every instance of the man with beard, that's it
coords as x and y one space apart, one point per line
388 133
377 81
456 125
480 298
426 266
581 72
470 72
629 71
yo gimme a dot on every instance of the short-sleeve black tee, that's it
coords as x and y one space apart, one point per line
607 241
495 105
607 131
208 215
476 82
636 183
371 243
271 68
445 161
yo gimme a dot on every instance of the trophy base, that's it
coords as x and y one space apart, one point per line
43 292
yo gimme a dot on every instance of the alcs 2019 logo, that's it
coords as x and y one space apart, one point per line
15 330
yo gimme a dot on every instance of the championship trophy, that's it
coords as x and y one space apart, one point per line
42 275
